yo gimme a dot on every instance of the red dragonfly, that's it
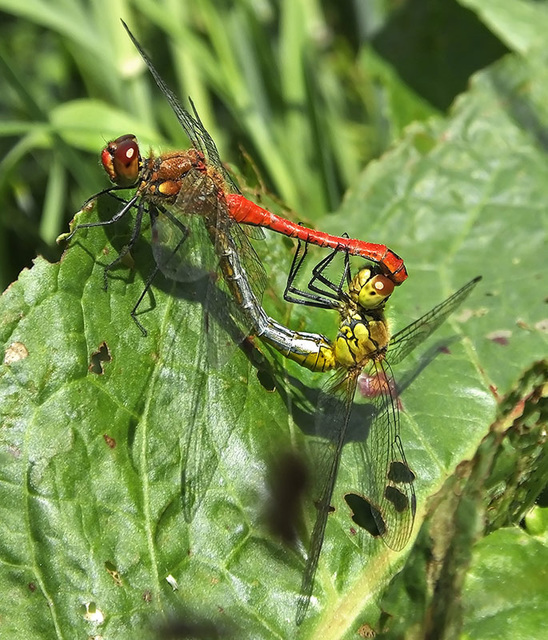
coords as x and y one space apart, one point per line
166 180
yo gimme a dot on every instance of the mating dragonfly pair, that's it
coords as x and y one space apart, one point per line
192 201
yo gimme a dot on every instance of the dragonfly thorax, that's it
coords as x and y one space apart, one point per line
360 338
171 176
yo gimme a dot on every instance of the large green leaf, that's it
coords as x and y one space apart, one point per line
91 484
520 24
506 589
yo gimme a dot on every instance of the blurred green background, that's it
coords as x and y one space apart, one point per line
302 93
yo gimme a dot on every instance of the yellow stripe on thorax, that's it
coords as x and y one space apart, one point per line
357 341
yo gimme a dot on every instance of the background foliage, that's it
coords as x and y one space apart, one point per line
91 469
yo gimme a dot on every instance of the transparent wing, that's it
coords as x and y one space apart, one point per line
407 339
216 407
388 480
225 327
236 257
240 269
194 129
181 246
251 265
199 459
333 413
194 234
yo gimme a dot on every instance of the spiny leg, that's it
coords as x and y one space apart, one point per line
133 239
319 297
318 274
185 233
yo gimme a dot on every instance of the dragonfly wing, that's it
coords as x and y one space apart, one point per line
194 129
181 246
388 480
240 271
333 413
192 125
198 456
213 245
228 324
415 333
255 233
225 326
242 275
216 407
209 148
250 261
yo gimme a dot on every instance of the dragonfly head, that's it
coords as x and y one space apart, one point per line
122 161
370 289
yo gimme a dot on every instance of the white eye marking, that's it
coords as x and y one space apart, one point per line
379 286
130 153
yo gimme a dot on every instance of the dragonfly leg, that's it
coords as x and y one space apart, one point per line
104 223
133 312
134 235
326 297
298 296
185 233
334 290
182 227
295 267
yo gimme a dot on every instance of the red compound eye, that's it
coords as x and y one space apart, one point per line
121 160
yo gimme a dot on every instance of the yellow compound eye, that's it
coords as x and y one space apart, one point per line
375 292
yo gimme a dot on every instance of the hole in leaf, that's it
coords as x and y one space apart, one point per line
366 631
397 498
111 569
15 352
92 614
400 472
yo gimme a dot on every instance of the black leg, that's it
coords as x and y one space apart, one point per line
295 267
185 233
297 296
105 223
134 235
334 290
148 284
